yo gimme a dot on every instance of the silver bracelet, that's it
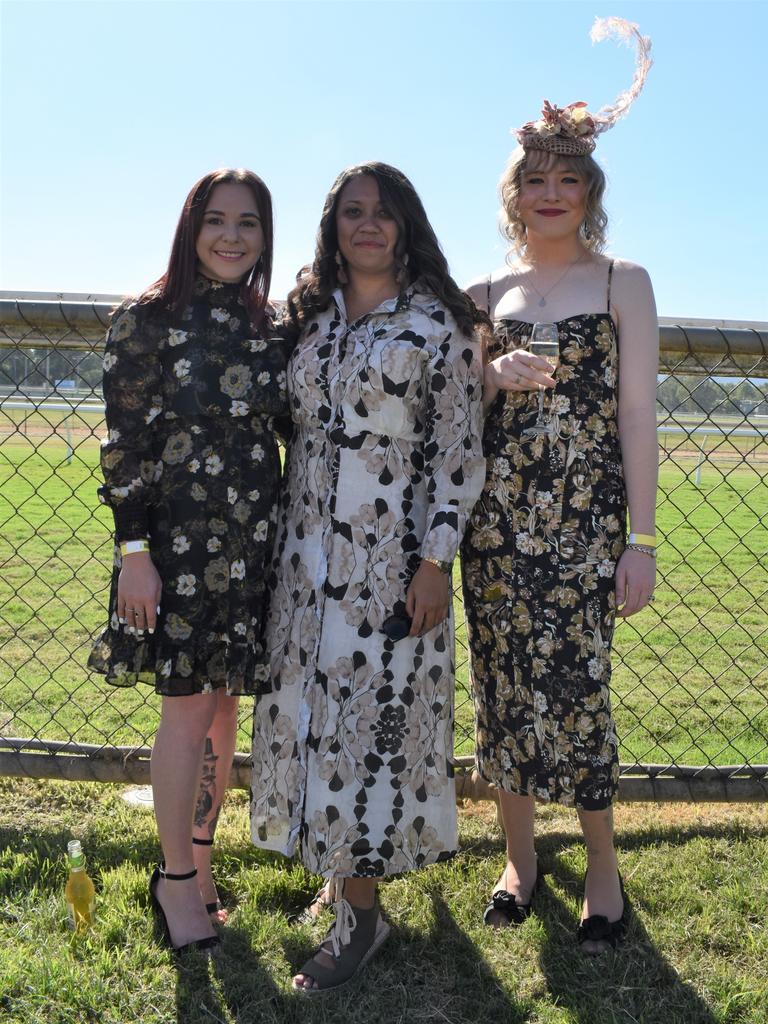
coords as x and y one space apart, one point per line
644 549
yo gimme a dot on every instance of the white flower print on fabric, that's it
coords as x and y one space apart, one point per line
186 585
170 385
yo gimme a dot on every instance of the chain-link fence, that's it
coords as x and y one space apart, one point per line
690 671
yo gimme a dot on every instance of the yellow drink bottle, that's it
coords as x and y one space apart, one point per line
79 891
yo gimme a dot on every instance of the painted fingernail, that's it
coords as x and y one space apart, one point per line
151 632
158 609
121 621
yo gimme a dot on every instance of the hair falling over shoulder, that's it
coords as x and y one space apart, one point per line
593 230
173 290
418 253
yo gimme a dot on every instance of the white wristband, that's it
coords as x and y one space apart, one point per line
132 547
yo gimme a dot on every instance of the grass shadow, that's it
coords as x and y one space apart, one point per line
245 985
475 992
624 986
549 844
196 998
424 972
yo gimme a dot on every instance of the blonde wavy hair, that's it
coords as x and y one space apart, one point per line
592 231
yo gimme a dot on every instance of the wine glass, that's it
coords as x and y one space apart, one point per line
545 344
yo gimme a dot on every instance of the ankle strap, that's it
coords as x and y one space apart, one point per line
176 878
202 842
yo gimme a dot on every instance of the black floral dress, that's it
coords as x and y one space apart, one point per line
539 559
191 462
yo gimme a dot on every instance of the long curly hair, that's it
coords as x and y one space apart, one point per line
417 253
595 224
173 290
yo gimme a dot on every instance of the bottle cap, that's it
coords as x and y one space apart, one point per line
75 852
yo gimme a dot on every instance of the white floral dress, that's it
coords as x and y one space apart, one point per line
352 751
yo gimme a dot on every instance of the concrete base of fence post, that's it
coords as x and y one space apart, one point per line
638 783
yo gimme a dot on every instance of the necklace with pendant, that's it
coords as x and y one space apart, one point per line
543 295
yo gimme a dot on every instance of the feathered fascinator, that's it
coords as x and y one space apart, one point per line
572 130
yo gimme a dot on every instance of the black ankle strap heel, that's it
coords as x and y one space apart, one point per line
161 921
175 878
215 906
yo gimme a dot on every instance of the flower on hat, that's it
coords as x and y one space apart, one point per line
573 129
573 121
577 119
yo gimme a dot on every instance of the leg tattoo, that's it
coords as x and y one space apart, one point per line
207 795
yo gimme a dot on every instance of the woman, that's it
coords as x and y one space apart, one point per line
192 381
352 753
545 560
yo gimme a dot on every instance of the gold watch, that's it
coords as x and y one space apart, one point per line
446 567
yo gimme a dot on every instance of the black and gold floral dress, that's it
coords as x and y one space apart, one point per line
191 462
539 559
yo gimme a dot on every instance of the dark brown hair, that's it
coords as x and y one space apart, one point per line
174 289
595 218
417 253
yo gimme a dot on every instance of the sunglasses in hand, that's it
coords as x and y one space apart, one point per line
396 627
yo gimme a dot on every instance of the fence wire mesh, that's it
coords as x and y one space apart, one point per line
690 672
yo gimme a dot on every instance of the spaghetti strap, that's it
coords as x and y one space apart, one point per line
488 294
610 275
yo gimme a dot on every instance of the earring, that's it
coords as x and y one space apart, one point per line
341 274
401 274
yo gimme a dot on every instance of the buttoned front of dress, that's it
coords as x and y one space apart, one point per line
353 749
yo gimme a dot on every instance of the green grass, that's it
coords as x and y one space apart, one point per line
690 672
696 953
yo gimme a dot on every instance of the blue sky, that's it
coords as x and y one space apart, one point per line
111 110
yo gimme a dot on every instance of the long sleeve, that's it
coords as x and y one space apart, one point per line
270 390
282 341
133 398
453 455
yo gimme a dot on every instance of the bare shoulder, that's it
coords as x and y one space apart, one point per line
630 276
478 289
633 304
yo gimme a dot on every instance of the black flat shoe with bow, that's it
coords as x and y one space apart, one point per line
508 905
597 928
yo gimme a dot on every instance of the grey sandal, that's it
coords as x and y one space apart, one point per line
352 939
320 902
